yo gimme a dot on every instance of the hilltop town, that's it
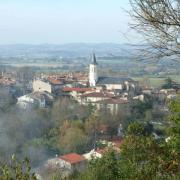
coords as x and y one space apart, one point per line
90 90
117 99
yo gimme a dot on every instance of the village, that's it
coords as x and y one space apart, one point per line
90 90
110 94
102 92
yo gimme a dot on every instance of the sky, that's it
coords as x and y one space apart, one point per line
65 21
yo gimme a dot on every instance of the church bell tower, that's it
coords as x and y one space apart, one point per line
93 76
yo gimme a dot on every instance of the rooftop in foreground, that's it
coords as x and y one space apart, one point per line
72 158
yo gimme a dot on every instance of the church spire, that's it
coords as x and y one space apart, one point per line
93 74
94 59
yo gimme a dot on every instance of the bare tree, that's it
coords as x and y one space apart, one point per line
159 22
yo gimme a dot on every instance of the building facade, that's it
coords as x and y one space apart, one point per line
109 83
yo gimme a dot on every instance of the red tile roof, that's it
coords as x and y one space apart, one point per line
98 94
69 89
114 101
55 81
72 158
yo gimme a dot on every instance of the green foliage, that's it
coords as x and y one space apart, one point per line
135 129
174 131
142 156
139 108
105 168
16 170
141 152
139 129
168 84
52 175
73 139
68 109
68 127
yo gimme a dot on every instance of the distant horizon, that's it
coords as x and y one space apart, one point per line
75 43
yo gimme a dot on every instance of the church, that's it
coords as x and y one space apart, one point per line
109 83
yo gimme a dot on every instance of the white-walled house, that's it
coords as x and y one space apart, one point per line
50 85
34 100
168 91
76 92
66 165
95 97
26 102
73 162
139 97
105 101
113 105
93 154
41 86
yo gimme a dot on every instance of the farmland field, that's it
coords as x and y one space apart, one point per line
157 81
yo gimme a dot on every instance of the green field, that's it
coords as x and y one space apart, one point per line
157 81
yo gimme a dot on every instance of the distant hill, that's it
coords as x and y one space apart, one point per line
72 50
119 57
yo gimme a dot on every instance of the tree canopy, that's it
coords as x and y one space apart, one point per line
142 156
159 22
